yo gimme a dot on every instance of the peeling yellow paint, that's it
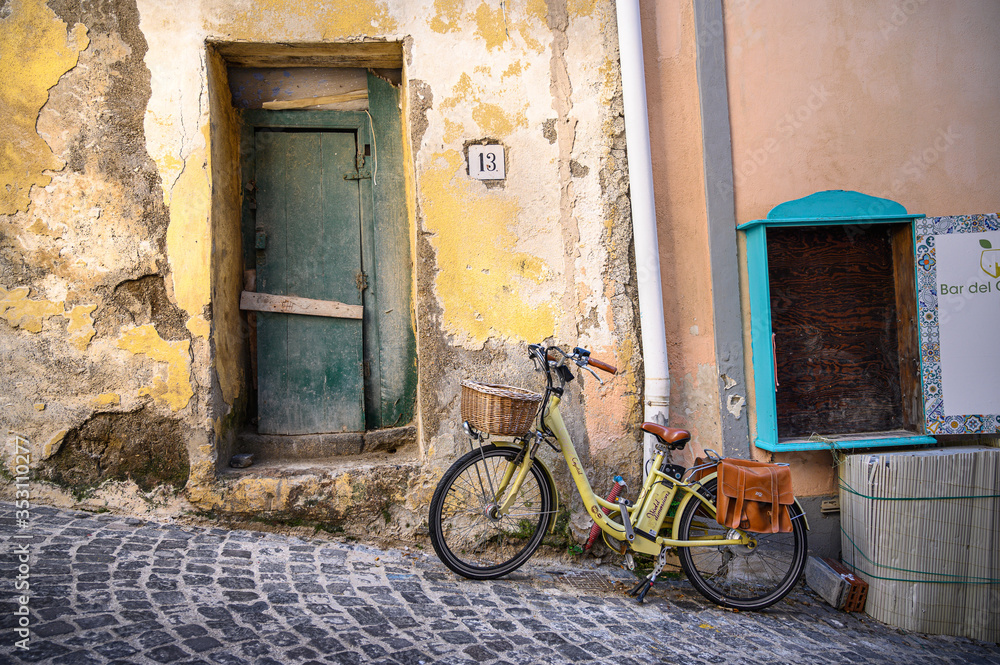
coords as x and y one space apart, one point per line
198 326
105 400
449 12
176 391
344 488
495 121
580 7
362 17
170 168
481 279
460 93
491 118
35 50
38 227
81 326
188 243
54 444
537 10
491 25
515 70
21 312
452 131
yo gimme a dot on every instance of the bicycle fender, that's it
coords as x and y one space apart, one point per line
689 497
548 476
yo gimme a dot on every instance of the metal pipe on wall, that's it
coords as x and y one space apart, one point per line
656 403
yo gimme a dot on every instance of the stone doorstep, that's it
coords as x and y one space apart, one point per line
294 448
330 466
301 488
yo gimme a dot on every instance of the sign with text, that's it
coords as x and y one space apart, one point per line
486 162
958 290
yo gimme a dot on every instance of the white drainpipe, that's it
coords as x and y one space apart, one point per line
647 256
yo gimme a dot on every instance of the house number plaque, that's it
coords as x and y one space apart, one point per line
486 162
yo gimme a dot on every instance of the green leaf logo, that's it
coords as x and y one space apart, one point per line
985 244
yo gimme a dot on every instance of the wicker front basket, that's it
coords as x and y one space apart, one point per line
498 410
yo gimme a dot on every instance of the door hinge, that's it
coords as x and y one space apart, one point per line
361 280
360 174
251 188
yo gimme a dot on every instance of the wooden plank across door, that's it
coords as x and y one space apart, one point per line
266 302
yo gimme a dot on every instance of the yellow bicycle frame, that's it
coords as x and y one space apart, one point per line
654 543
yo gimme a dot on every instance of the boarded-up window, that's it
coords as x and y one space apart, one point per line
837 296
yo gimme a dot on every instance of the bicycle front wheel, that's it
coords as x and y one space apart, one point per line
746 577
468 534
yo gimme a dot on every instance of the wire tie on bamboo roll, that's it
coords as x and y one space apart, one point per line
850 489
967 580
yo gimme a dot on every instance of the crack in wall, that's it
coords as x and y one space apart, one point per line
561 88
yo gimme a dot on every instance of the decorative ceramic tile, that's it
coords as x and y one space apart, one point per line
937 421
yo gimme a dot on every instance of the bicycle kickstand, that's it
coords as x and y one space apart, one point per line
640 590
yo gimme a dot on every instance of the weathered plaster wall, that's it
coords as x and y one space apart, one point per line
682 219
120 250
97 357
230 330
893 99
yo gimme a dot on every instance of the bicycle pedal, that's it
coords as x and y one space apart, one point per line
629 561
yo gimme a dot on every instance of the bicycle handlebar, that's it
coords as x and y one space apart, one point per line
584 359
603 366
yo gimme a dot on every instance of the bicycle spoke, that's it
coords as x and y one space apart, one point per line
749 576
467 538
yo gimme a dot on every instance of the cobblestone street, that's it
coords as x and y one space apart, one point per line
113 589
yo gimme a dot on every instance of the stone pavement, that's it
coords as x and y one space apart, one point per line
112 589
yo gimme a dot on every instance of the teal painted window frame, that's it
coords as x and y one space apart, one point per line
829 208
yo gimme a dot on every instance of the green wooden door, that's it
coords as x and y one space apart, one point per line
310 368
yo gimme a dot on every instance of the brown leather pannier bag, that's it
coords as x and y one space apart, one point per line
754 496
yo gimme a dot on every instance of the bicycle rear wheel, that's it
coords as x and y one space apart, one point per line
746 577
466 532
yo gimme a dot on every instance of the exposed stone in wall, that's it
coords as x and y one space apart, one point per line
139 445
137 302
359 497
86 319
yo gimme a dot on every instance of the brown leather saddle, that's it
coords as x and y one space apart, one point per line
671 437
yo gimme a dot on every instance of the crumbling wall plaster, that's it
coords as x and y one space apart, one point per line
547 254
94 355
36 48
121 263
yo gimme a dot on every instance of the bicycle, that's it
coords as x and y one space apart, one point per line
493 506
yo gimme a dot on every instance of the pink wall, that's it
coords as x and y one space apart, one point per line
675 135
898 99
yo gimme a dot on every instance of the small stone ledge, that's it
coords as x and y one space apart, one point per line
327 466
295 448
